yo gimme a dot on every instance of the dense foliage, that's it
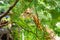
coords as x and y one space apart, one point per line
25 29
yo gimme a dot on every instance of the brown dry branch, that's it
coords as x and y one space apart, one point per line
3 23
28 13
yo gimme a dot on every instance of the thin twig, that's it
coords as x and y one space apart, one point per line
10 8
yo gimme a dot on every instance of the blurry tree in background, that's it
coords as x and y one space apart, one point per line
48 12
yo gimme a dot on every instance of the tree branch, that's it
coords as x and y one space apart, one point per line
10 8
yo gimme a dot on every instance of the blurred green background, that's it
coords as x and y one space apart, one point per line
25 29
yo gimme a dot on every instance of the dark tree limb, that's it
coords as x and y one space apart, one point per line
3 23
10 8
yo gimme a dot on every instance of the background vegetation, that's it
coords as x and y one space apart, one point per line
25 29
